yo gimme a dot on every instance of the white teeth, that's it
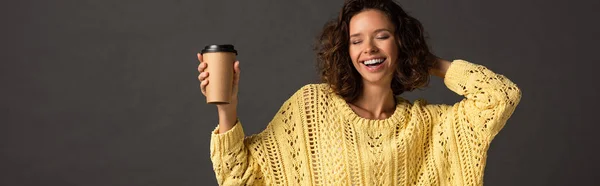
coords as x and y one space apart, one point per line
373 61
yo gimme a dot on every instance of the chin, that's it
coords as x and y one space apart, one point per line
379 77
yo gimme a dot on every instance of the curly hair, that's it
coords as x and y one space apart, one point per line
335 65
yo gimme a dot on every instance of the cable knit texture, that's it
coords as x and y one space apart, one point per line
316 138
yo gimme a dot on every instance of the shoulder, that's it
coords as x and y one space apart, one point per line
320 87
310 90
310 94
432 111
421 106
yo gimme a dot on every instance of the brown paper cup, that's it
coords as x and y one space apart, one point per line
220 73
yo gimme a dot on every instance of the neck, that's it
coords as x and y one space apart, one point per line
376 101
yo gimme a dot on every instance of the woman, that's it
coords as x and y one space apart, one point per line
353 130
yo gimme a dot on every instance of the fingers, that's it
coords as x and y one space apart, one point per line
202 76
236 72
236 66
202 67
203 86
203 81
199 57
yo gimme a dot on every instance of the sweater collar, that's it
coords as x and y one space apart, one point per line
346 111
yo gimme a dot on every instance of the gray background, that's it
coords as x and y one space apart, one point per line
106 92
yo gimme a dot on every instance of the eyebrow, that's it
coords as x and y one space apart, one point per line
376 31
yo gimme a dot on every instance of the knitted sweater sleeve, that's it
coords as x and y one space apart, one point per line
240 160
463 131
489 99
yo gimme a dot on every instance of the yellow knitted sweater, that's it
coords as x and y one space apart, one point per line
316 138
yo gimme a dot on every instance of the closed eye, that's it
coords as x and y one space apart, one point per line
383 37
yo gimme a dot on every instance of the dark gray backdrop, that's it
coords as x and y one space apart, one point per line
105 92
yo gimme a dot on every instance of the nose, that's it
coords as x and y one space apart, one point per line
371 48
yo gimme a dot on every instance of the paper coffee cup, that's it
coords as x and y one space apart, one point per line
219 59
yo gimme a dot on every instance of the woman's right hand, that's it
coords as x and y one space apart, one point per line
227 112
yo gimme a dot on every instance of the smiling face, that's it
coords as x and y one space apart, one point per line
373 47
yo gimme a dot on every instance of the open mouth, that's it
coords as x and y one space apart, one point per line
373 62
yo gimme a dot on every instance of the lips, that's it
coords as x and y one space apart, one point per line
373 60
374 64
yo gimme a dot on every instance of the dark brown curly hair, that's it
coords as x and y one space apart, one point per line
335 65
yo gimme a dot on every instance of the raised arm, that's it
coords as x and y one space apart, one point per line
490 98
232 163
240 160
